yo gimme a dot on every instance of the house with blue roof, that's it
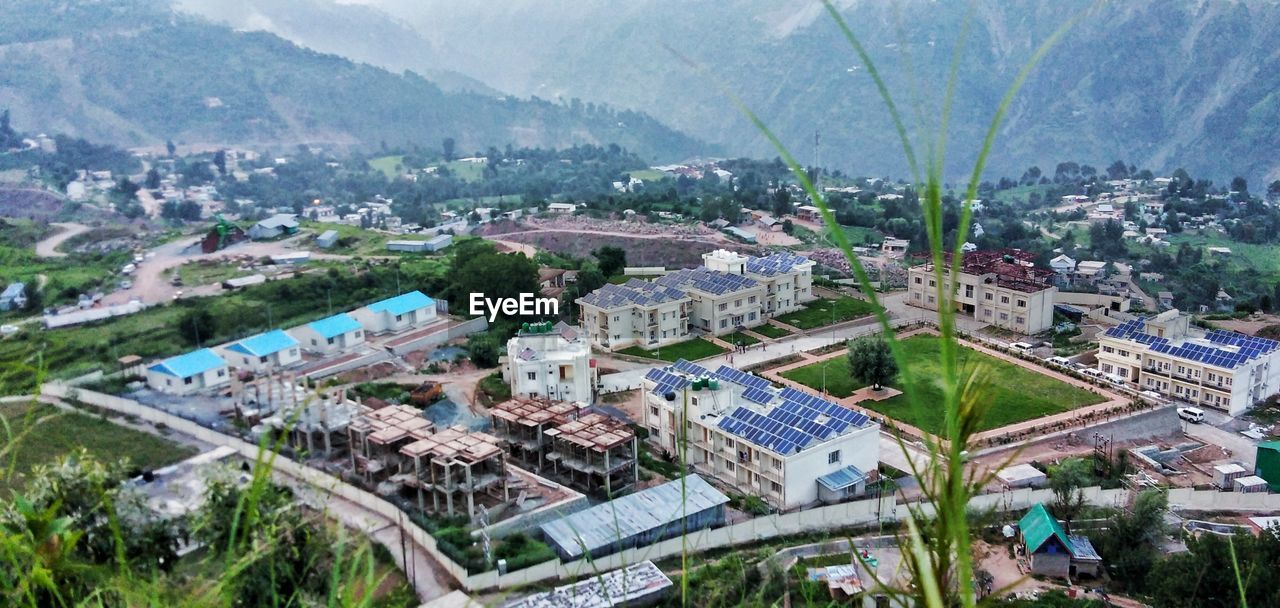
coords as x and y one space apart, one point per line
270 350
330 335
393 315
185 374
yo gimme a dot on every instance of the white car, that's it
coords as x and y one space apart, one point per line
1022 346
177 294
1191 414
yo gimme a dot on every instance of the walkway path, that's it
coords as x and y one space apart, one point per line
48 248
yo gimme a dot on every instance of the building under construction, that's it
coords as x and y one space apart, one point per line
590 451
376 437
316 421
456 467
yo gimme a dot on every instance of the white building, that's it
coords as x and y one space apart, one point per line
335 334
550 361
406 311
730 291
786 446
266 351
185 374
1219 369
999 287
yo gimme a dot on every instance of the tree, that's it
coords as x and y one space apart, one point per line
781 201
1273 190
220 161
479 268
483 349
871 362
170 147
1129 547
1067 481
448 148
153 179
612 259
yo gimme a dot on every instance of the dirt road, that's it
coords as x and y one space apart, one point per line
48 248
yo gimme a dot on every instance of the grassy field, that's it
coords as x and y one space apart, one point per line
1015 393
738 337
67 277
819 312
771 331
205 274
858 236
1261 260
467 204
1020 194
467 172
55 433
387 165
352 240
691 350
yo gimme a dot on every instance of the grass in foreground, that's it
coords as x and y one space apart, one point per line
54 433
691 350
819 312
1016 393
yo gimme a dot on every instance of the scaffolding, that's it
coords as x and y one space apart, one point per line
596 452
455 465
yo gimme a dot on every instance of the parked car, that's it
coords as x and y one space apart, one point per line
1193 415
1059 362
1022 346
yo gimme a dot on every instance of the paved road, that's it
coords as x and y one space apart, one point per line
48 248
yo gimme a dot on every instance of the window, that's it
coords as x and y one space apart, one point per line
186 380
356 334
399 318
313 341
724 306
751 316
987 296
222 372
532 375
653 411
751 300
1106 368
723 323
918 281
329 341
1108 349
833 457
728 464
1022 303
1021 320
932 283
728 444
777 463
1004 316
293 352
737 303
615 317
1004 299
775 487
262 359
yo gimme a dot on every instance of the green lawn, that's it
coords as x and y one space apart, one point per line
858 236
771 331
691 350
1016 393
387 165
738 337
204 274
819 312
467 172
54 433
648 175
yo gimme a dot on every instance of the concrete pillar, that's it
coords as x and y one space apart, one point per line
608 486
471 498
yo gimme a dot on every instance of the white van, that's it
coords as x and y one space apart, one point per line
1194 415
1117 379
1059 361
1022 346
1091 372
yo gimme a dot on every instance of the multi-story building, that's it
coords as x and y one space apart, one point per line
999 287
787 446
787 278
1219 369
636 313
551 361
729 292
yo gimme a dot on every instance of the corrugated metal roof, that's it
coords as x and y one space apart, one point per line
1038 526
403 303
13 290
264 344
633 514
1082 548
190 364
843 478
334 326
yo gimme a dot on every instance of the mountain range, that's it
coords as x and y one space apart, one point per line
1193 84
138 73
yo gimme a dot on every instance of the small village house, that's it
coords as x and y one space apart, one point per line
266 351
338 333
189 373
406 311
1050 551
274 226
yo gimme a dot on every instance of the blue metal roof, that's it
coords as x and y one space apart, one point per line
13 290
190 364
843 478
403 303
264 344
334 326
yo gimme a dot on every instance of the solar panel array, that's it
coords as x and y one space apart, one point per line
667 381
758 395
1246 347
793 425
702 279
741 378
634 291
774 264
693 369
